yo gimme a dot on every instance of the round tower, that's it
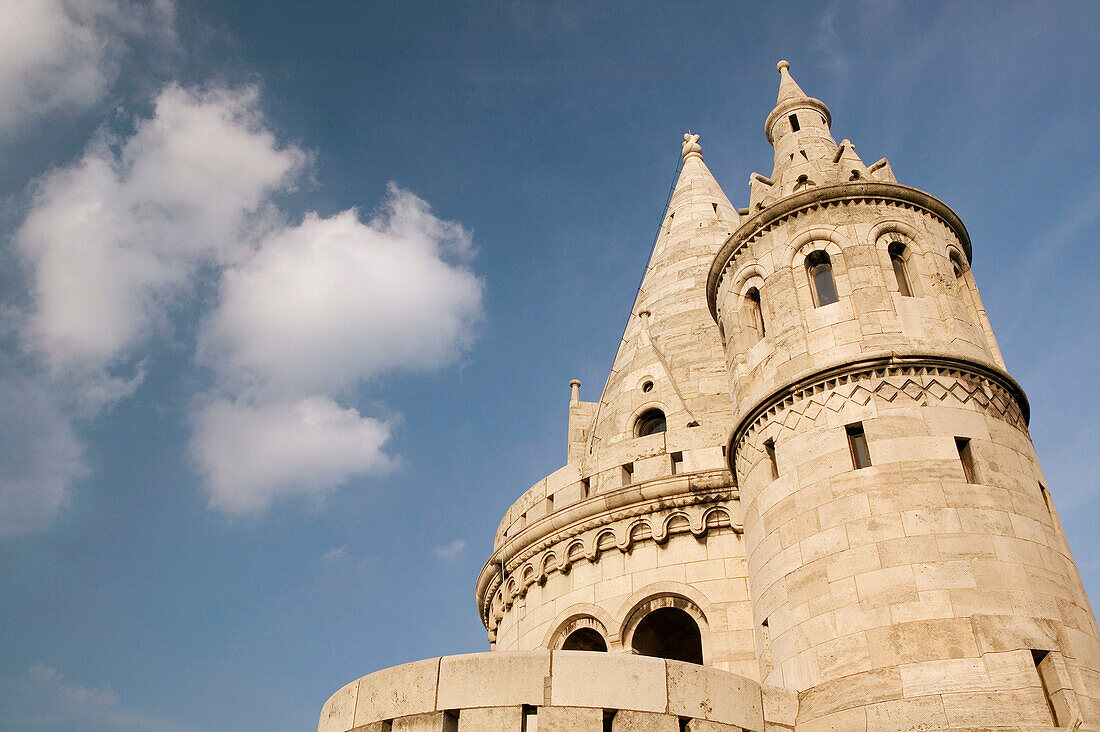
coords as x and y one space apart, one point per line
906 566
634 545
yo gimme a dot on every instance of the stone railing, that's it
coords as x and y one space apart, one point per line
559 691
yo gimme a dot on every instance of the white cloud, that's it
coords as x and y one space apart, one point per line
315 309
114 240
251 455
43 698
40 456
331 301
64 55
450 552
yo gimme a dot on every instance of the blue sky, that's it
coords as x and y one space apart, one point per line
292 292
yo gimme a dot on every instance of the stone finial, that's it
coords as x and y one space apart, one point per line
783 66
575 385
691 146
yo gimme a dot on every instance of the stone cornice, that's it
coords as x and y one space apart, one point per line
818 197
871 364
635 500
790 105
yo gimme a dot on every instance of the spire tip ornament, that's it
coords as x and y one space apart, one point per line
691 146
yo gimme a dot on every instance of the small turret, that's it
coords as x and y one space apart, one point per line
798 128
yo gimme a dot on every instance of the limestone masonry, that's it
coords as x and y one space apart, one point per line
805 500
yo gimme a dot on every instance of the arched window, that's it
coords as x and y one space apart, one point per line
650 422
957 266
754 315
820 269
901 274
669 632
585 639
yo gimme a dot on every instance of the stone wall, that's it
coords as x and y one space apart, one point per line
563 691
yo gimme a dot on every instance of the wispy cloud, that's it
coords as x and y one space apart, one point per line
43 698
450 552
63 56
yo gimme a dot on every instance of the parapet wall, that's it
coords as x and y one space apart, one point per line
560 691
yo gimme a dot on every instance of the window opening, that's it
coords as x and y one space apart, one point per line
956 266
854 176
586 486
647 387
1044 667
677 462
769 448
715 205
530 719
857 443
609 719
684 721
628 473
966 457
756 313
820 269
671 633
387 725
897 261
549 505
585 639
794 123
650 422
450 720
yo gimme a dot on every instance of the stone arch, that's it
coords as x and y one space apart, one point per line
670 605
803 245
883 236
578 616
632 420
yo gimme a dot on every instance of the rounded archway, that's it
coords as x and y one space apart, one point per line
668 632
584 639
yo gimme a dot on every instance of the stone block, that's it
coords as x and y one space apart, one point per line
780 705
628 721
702 725
570 719
431 722
491 719
398 692
338 712
498 679
609 681
706 693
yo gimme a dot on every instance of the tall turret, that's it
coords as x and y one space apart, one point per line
906 566
645 502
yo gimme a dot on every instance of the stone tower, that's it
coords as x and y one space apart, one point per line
806 498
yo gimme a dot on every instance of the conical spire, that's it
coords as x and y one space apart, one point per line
671 354
788 87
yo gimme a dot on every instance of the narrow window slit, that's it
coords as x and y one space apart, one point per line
795 127
857 443
609 719
586 487
677 459
1048 678
966 457
530 719
628 473
769 448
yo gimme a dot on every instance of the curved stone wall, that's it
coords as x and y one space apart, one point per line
563 691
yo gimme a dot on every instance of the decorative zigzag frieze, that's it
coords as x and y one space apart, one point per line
924 385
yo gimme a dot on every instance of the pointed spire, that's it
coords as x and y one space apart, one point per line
649 369
791 98
788 87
